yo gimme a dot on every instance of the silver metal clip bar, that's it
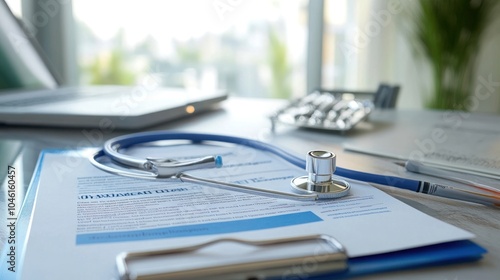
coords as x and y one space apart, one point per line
311 255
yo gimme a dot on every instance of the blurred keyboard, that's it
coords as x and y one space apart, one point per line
325 110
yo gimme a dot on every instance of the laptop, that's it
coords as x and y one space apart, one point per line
50 104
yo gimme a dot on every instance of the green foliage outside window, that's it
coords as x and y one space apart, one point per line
280 69
111 70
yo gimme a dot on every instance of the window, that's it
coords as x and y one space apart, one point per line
253 48
364 44
257 48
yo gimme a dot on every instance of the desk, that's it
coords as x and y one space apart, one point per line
248 118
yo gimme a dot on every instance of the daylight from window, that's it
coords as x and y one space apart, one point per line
252 48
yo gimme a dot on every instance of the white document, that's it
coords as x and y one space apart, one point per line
83 217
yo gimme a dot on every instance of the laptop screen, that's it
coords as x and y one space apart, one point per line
22 65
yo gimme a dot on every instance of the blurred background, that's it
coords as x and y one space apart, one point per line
437 51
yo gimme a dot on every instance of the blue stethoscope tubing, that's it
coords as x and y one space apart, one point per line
143 137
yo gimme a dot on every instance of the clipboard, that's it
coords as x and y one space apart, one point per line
327 265
343 267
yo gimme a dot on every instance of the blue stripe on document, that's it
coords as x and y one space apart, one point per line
200 229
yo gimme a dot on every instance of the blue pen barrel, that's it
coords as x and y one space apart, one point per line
398 182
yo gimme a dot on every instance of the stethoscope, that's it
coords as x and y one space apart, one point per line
319 183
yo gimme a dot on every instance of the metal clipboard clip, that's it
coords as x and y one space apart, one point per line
286 258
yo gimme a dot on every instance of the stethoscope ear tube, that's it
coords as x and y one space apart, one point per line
94 159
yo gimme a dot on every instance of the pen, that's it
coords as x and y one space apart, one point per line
418 167
491 197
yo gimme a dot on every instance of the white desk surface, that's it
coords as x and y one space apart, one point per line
249 118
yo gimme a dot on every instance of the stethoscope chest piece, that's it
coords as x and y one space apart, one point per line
321 165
